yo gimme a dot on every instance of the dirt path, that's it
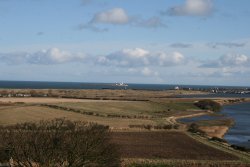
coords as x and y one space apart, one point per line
172 119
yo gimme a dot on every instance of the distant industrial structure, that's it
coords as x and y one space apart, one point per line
121 85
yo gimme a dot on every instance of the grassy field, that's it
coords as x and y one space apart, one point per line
102 94
132 108
20 114
128 120
116 114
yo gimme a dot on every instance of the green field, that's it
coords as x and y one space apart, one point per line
133 108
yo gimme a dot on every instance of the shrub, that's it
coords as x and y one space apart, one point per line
166 126
194 128
60 143
148 127
142 126
4 154
218 139
239 148
209 105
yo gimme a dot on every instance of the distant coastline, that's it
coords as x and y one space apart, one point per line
86 85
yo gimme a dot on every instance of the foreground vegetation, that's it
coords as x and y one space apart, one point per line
58 143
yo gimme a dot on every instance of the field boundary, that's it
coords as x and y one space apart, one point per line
84 112
179 162
244 156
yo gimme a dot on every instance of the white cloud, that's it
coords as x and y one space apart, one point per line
50 56
172 59
112 16
129 58
229 60
119 16
126 57
148 72
141 57
137 52
192 8
234 60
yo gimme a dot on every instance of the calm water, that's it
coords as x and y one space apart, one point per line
239 134
79 85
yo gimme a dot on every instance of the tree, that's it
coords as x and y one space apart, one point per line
33 93
194 128
209 105
60 143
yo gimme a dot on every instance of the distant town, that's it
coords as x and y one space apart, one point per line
218 90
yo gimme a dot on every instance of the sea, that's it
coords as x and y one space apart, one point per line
86 85
239 133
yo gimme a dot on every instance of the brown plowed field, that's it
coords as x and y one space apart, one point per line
168 145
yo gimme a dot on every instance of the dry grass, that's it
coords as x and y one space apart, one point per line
102 94
118 107
35 113
46 100
116 114
214 131
165 108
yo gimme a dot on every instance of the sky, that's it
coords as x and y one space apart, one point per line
201 42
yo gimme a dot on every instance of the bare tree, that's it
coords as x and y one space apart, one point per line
60 143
